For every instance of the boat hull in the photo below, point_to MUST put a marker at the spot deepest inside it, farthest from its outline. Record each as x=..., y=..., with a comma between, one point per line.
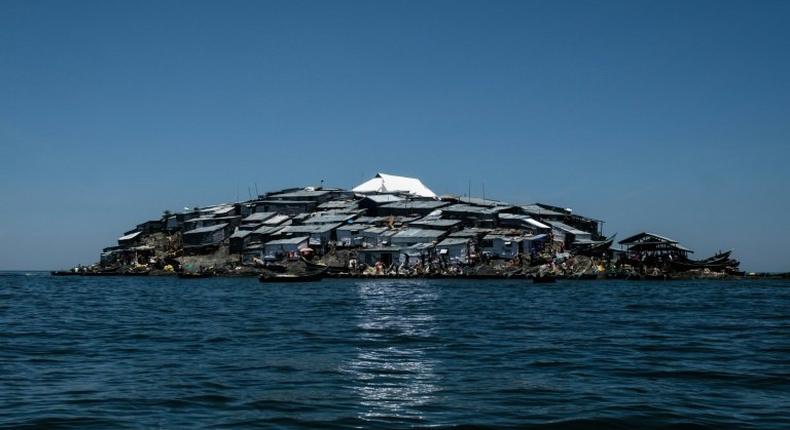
x=287, y=278
x=184, y=275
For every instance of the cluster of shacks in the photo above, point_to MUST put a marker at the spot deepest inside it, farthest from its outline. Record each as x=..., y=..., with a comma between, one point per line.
x=388, y=219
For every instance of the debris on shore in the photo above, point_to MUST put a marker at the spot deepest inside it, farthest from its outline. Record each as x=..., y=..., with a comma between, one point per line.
x=393, y=226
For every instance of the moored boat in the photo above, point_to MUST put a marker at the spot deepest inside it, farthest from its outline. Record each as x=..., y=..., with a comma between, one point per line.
x=195, y=275
x=101, y=273
x=64, y=273
x=544, y=279
x=716, y=263
x=291, y=277
x=136, y=273
x=595, y=247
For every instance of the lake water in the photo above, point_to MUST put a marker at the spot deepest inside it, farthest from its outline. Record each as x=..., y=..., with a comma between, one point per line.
x=234, y=353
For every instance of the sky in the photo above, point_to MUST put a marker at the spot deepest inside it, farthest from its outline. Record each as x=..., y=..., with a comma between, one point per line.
x=663, y=116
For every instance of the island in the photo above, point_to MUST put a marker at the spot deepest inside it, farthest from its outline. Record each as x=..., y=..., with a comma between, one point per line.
x=393, y=226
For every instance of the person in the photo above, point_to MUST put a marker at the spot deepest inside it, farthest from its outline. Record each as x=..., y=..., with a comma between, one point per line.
x=379, y=267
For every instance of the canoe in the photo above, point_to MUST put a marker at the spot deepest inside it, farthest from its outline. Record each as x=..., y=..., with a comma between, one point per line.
x=145, y=273
x=290, y=277
x=487, y=276
x=595, y=248
x=323, y=267
x=64, y=273
x=101, y=273
x=715, y=266
x=717, y=263
x=195, y=275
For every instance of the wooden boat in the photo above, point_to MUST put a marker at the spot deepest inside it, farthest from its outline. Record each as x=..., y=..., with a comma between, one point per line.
x=101, y=273
x=618, y=275
x=487, y=276
x=136, y=273
x=64, y=273
x=276, y=267
x=544, y=279
x=595, y=248
x=713, y=265
x=291, y=277
x=323, y=267
x=718, y=257
x=195, y=275
x=717, y=263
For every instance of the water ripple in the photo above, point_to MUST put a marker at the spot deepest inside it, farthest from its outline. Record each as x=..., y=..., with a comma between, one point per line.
x=79, y=353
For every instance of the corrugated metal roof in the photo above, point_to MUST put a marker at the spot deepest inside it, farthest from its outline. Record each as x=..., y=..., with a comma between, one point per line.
x=379, y=230
x=471, y=232
x=418, y=232
x=534, y=209
x=644, y=235
x=207, y=229
x=130, y=236
x=287, y=202
x=276, y=220
x=436, y=222
x=383, y=198
x=482, y=202
x=240, y=234
x=338, y=204
x=224, y=210
x=354, y=227
x=259, y=216
x=383, y=219
x=309, y=228
x=565, y=227
x=267, y=229
x=320, y=218
x=288, y=241
x=450, y=241
x=470, y=209
x=415, y=204
x=201, y=219
x=300, y=194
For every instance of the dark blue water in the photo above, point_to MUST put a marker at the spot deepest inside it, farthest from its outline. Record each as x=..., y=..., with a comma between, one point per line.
x=233, y=353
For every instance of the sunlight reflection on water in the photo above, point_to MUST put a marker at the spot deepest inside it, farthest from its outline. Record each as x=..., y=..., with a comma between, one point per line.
x=392, y=374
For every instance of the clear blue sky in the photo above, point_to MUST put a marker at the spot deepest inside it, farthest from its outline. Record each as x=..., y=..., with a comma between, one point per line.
x=663, y=116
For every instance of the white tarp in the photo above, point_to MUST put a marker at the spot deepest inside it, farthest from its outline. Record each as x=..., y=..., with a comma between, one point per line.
x=384, y=183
